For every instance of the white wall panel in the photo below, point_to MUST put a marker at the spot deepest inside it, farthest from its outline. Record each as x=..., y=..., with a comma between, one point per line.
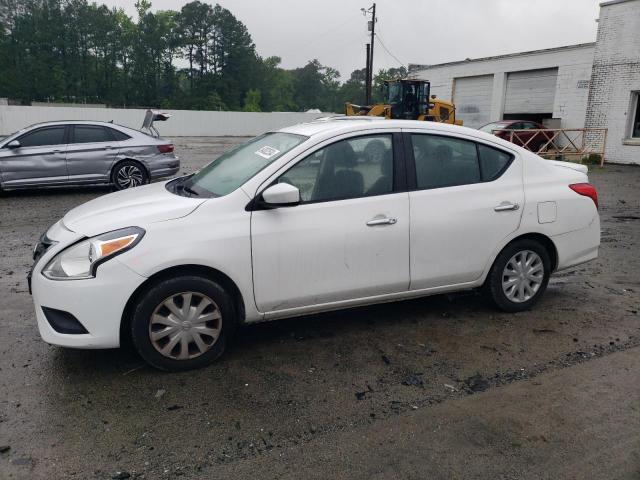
x=183, y=123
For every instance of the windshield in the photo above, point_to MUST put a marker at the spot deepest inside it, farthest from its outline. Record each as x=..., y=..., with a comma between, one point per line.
x=234, y=168
x=395, y=92
x=490, y=127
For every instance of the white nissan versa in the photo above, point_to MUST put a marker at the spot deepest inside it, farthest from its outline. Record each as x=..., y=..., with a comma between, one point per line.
x=319, y=216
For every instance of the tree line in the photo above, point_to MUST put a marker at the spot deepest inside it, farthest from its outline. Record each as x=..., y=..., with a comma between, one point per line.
x=201, y=57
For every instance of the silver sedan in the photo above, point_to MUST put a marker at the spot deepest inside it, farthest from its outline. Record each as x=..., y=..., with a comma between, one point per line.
x=83, y=153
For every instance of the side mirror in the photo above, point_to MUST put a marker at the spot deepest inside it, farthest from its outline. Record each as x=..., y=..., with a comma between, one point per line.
x=13, y=144
x=281, y=195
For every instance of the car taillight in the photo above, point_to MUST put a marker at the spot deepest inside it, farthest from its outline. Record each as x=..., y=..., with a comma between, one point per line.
x=165, y=148
x=587, y=190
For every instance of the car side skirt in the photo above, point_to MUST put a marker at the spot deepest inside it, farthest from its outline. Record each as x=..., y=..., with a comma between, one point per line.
x=360, y=302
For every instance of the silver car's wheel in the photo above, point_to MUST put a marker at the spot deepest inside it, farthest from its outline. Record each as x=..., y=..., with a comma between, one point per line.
x=522, y=276
x=129, y=176
x=185, y=325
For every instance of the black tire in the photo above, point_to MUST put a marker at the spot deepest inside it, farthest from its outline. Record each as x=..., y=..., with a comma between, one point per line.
x=129, y=174
x=152, y=302
x=493, y=286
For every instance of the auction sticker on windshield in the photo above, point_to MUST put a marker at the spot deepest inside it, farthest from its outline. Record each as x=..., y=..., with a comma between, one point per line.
x=267, y=152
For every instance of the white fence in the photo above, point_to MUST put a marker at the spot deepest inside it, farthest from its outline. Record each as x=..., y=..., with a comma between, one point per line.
x=183, y=123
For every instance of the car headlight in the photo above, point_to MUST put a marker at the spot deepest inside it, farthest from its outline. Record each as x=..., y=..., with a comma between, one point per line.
x=82, y=259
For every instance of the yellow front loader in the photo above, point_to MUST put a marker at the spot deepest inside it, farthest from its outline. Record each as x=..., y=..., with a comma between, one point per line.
x=408, y=100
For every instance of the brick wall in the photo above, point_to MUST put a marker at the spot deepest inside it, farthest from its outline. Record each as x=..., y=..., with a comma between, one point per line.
x=615, y=76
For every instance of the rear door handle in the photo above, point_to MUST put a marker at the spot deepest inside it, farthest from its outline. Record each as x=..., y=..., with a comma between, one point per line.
x=382, y=221
x=506, y=206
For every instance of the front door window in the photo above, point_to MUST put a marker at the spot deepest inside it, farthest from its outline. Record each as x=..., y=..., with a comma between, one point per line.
x=358, y=167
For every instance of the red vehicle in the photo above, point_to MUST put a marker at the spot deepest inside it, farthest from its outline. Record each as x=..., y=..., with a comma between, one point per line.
x=534, y=140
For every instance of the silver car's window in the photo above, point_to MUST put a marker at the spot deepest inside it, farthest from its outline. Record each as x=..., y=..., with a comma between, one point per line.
x=90, y=134
x=43, y=137
x=234, y=168
x=118, y=135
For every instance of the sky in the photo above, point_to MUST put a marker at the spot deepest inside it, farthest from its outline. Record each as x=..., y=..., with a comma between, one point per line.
x=413, y=31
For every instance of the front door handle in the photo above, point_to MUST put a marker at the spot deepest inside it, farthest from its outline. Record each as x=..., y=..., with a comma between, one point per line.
x=382, y=221
x=506, y=206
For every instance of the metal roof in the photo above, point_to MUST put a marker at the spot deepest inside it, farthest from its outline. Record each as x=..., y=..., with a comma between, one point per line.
x=414, y=66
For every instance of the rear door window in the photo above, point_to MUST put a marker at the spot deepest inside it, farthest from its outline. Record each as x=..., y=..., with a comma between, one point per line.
x=43, y=137
x=444, y=161
x=91, y=134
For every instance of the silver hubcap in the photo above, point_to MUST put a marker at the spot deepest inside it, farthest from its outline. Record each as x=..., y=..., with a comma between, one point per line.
x=185, y=325
x=129, y=176
x=522, y=276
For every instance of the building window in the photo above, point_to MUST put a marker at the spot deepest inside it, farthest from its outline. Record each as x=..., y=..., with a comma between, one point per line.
x=635, y=125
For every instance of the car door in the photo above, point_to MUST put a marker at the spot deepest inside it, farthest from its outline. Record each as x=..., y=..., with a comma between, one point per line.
x=92, y=151
x=39, y=160
x=467, y=197
x=349, y=236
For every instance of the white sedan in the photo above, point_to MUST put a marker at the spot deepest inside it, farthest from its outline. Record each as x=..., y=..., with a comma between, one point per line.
x=320, y=216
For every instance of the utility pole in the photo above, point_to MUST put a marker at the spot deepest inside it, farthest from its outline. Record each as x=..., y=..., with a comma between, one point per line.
x=372, y=28
x=367, y=91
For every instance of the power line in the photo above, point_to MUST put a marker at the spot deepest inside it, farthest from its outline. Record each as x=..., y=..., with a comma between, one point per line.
x=387, y=50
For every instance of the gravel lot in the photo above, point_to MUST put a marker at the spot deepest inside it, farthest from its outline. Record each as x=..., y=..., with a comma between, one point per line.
x=442, y=387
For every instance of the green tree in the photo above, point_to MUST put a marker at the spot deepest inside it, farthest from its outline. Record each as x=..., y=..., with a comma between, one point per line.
x=277, y=86
x=201, y=57
x=252, y=101
x=317, y=86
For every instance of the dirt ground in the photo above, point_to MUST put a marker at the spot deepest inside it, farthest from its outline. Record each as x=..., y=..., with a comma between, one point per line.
x=441, y=387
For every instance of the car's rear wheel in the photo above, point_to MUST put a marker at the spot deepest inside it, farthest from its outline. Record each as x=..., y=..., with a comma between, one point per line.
x=519, y=276
x=183, y=323
x=129, y=174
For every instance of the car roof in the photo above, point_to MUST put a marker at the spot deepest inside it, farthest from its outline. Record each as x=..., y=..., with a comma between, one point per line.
x=338, y=125
x=75, y=122
x=328, y=127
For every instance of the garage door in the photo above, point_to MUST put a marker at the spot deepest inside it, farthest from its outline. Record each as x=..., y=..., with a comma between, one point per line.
x=472, y=97
x=532, y=91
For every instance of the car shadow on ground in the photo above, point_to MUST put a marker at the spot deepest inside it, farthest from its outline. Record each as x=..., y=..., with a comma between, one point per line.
x=338, y=325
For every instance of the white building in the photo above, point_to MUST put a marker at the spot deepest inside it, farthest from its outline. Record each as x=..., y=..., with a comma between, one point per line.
x=594, y=85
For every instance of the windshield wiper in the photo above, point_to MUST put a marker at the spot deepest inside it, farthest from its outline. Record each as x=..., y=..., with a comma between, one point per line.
x=180, y=185
x=186, y=186
x=190, y=190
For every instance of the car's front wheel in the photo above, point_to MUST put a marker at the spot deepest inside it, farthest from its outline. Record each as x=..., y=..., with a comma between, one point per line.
x=129, y=174
x=519, y=276
x=182, y=323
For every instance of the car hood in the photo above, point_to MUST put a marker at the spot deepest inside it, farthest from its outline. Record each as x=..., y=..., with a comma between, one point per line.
x=128, y=208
